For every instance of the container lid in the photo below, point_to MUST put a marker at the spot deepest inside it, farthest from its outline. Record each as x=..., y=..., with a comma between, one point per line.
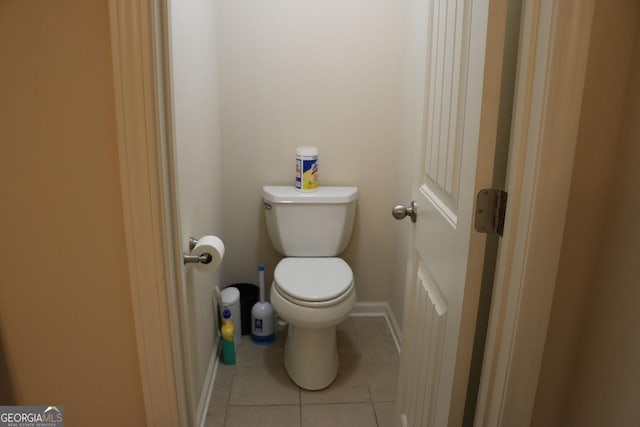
x=230, y=295
x=307, y=151
x=289, y=194
x=313, y=279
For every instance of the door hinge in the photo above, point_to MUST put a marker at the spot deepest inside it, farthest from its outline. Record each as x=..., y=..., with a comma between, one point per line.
x=491, y=205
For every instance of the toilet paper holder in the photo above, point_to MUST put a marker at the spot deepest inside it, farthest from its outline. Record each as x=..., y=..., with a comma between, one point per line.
x=202, y=259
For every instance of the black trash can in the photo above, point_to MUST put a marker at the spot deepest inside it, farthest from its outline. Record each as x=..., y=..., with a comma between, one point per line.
x=249, y=295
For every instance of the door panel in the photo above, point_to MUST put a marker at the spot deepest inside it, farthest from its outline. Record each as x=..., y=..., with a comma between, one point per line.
x=448, y=56
x=457, y=147
x=430, y=316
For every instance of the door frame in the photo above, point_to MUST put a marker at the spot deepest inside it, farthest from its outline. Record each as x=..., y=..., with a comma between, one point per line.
x=149, y=198
x=554, y=44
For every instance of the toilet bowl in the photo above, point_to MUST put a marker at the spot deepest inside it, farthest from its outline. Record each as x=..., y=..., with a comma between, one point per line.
x=314, y=295
x=312, y=289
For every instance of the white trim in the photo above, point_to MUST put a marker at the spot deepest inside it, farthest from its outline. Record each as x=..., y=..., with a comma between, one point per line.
x=209, y=382
x=552, y=62
x=394, y=327
x=147, y=209
x=380, y=309
x=369, y=309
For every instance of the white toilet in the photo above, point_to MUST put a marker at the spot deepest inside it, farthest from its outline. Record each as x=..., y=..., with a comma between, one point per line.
x=312, y=288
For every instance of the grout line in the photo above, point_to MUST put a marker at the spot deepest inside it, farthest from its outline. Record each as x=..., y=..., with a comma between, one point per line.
x=375, y=414
x=224, y=417
x=364, y=402
x=262, y=405
x=300, y=405
x=228, y=401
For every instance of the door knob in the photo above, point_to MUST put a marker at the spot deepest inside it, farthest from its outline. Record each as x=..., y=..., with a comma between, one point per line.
x=400, y=211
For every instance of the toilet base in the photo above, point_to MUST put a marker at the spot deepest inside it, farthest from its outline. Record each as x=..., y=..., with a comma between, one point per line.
x=311, y=356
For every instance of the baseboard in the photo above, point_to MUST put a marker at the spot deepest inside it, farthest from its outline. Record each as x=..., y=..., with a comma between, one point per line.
x=380, y=309
x=369, y=309
x=207, y=387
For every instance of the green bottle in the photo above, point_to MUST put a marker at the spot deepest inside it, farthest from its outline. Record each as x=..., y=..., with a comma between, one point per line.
x=228, y=347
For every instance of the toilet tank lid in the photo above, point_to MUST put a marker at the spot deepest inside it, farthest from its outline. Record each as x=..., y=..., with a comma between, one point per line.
x=289, y=194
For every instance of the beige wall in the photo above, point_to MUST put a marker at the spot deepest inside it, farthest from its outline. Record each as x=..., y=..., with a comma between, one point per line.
x=411, y=131
x=591, y=240
x=329, y=76
x=606, y=386
x=65, y=308
x=197, y=133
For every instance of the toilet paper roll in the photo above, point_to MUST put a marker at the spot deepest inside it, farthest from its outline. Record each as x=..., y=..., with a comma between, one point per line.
x=209, y=245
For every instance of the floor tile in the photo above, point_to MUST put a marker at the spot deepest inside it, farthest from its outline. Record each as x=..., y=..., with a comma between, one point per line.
x=263, y=385
x=349, y=386
x=216, y=416
x=339, y=415
x=374, y=341
x=211, y=422
x=258, y=391
x=252, y=354
x=222, y=384
x=386, y=414
x=346, y=336
x=263, y=416
x=382, y=378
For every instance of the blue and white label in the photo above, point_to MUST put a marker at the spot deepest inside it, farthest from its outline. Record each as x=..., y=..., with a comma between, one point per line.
x=307, y=173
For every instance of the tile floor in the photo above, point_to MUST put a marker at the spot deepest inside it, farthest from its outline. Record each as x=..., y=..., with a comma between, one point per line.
x=257, y=391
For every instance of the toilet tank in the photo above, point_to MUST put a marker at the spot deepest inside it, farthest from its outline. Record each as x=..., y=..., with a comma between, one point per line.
x=309, y=224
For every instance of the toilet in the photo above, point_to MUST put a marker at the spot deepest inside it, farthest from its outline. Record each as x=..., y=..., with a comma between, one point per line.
x=312, y=289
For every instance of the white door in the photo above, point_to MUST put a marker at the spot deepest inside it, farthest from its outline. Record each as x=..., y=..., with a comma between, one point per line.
x=457, y=148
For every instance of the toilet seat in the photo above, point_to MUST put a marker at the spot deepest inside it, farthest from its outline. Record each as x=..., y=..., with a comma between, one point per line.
x=313, y=282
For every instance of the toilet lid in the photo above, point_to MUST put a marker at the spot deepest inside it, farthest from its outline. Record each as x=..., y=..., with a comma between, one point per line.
x=313, y=279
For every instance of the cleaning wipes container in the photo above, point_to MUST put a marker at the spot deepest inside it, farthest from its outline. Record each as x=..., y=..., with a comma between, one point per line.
x=306, y=168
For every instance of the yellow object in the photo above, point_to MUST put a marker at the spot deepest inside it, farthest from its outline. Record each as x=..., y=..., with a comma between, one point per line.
x=227, y=330
x=310, y=179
